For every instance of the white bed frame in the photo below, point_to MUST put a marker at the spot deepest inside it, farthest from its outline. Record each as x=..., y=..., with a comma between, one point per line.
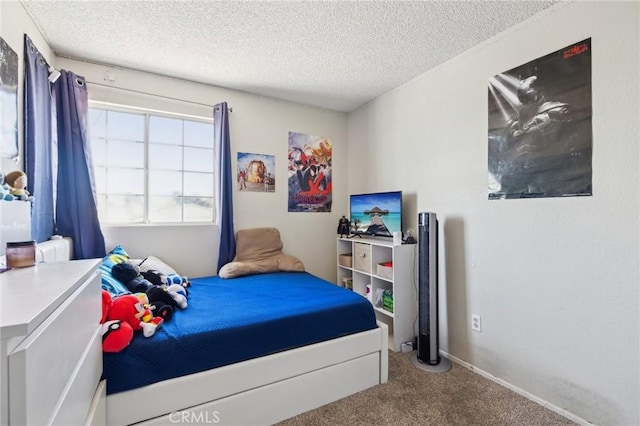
x=260, y=391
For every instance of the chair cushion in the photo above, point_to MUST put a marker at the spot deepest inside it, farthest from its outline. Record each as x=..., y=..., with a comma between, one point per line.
x=259, y=250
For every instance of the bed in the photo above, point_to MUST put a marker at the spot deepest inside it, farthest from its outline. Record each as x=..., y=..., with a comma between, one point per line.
x=256, y=349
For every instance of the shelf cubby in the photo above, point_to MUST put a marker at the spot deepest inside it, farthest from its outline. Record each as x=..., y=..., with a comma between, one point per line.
x=365, y=255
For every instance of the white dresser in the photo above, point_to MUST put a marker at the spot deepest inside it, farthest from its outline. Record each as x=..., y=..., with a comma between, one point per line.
x=50, y=345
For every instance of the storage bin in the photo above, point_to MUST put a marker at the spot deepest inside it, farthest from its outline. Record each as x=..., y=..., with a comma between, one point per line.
x=385, y=270
x=346, y=260
x=362, y=257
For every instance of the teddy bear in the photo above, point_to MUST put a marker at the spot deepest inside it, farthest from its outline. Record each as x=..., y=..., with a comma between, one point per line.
x=129, y=309
x=116, y=333
x=17, y=181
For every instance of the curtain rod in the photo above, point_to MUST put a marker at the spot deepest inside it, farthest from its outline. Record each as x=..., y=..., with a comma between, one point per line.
x=152, y=94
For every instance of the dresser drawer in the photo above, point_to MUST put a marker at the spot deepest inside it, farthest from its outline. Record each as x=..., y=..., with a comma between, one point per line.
x=362, y=257
x=43, y=368
x=75, y=404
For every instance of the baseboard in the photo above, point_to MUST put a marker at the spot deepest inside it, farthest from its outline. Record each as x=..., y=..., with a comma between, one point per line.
x=519, y=391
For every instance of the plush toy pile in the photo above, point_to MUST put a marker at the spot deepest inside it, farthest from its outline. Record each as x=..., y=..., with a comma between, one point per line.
x=152, y=288
x=150, y=299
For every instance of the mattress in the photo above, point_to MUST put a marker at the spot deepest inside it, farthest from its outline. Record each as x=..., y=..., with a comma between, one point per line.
x=233, y=320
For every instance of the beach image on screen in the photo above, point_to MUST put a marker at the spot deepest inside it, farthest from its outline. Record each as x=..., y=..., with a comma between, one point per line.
x=377, y=214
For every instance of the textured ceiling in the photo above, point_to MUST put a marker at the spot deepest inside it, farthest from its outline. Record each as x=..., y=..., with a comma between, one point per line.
x=331, y=54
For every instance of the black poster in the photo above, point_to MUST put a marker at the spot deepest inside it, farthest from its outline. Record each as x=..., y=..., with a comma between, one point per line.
x=540, y=134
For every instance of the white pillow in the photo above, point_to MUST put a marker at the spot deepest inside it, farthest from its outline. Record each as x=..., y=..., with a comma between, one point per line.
x=153, y=262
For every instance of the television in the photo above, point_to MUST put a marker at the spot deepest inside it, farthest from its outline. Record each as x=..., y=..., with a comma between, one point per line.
x=377, y=214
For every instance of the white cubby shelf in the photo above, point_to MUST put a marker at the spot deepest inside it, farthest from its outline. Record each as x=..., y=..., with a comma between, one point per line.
x=366, y=254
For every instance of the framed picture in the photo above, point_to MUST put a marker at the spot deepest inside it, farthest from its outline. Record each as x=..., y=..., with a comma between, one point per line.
x=256, y=172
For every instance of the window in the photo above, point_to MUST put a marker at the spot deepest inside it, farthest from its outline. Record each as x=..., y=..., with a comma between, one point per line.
x=152, y=168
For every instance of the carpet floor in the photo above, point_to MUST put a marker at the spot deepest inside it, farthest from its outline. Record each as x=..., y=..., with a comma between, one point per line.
x=416, y=397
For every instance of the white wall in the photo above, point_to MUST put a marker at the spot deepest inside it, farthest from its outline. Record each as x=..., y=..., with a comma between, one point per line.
x=555, y=280
x=192, y=250
x=257, y=125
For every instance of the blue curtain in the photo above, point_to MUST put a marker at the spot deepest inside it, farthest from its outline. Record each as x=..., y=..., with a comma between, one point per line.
x=38, y=152
x=76, y=206
x=224, y=185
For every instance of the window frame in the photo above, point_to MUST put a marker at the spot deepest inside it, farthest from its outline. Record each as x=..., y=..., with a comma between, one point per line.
x=147, y=113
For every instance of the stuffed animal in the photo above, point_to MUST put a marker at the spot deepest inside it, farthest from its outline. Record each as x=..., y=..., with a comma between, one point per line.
x=17, y=181
x=5, y=193
x=155, y=277
x=129, y=275
x=178, y=279
x=172, y=285
x=116, y=334
x=159, y=302
x=179, y=295
x=128, y=308
x=5, y=190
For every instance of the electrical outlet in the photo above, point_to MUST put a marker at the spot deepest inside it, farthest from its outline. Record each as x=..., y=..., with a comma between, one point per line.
x=476, y=322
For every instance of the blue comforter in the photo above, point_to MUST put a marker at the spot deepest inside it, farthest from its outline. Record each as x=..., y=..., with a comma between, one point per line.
x=233, y=320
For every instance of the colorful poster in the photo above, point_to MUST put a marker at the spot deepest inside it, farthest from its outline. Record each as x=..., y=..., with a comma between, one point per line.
x=256, y=172
x=309, y=173
x=540, y=133
x=9, y=101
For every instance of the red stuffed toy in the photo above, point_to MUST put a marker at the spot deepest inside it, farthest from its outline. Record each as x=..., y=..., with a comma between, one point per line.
x=116, y=334
x=129, y=309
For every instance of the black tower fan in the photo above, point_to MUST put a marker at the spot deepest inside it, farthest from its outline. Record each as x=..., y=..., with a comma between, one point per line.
x=428, y=356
